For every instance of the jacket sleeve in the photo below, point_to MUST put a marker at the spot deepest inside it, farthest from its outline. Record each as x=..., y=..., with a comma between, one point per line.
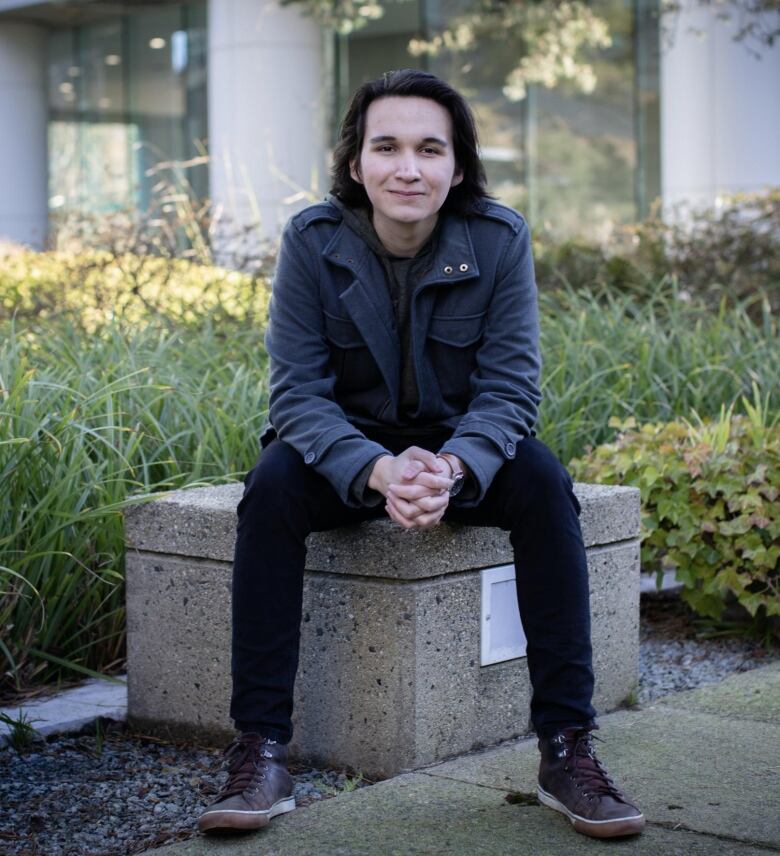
x=505, y=386
x=303, y=410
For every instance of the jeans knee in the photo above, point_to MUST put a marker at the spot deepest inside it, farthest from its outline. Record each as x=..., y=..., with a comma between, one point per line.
x=538, y=473
x=280, y=471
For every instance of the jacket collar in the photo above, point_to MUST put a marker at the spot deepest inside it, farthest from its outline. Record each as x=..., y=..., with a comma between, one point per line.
x=453, y=261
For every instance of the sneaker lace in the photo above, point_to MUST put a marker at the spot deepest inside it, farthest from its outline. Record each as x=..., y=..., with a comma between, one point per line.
x=586, y=769
x=246, y=763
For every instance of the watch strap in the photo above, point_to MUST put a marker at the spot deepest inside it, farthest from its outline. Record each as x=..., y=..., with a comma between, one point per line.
x=457, y=474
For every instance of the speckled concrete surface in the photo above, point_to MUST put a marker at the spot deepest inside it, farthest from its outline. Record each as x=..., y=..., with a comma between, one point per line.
x=392, y=621
x=201, y=522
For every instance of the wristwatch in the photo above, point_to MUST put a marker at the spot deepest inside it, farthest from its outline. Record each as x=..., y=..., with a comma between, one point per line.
x=458, y=476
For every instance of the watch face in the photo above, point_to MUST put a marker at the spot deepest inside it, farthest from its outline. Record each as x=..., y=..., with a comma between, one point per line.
x=457, y=484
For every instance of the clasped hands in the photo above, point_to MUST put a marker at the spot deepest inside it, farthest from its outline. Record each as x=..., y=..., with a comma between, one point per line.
x=415, y=485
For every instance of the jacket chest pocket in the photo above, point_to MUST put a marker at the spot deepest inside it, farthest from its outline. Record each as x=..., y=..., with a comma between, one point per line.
x=452, y=345
x=352, y=362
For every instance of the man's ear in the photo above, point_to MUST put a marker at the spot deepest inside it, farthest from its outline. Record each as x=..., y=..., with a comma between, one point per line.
x=354, y=170
x=457, y=178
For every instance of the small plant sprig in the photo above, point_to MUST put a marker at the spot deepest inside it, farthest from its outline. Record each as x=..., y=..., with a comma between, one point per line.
x=351, y=783
x=21, y=734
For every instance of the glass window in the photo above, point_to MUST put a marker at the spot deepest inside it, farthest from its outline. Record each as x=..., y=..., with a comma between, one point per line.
x=648, y=104
x=125, y=95
x=575, y=163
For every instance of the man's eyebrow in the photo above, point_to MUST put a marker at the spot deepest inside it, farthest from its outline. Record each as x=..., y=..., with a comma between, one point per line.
x=389, y=138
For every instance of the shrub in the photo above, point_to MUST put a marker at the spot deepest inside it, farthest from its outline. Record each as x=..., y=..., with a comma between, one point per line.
x=710, y=510
x=731, y=251
x=91, y=288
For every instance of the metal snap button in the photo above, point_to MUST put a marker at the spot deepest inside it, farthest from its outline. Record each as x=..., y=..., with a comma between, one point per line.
x=350, y=261
x=448, y=269
x=464, y=267
x=309, y=457
x=510, y=448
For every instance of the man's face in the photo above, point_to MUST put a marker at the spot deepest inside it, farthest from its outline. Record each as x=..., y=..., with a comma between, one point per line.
x=407, y=163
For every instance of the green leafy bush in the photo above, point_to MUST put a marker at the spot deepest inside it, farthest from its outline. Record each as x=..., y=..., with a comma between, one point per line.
x=91, y=288
x=732, y=251
x=710, y=506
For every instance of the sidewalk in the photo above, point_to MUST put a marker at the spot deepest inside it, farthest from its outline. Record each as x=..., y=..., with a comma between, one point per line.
x=704, y=765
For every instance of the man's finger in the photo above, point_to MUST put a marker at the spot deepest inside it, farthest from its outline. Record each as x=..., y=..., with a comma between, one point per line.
x=423, y=513
x=406, y=509
x=412, y=506
x=425, y=521
x=412, y=469
x=428, y=521
x=427, y=504
x=424, y=459
x=398, y=518
x=435, y=482
x=414, y=491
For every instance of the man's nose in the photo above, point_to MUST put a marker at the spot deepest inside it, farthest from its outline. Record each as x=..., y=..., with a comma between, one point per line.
x=407, y=169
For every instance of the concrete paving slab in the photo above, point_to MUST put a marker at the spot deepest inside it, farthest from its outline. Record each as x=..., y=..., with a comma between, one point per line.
x=750, y=695
x=708, y=784
x=71, y=709
x=706, y=773
x=419, y=815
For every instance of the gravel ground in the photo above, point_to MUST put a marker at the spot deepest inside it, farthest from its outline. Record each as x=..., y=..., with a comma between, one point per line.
x=676, y=654
x=118, y=793
x=124, y=794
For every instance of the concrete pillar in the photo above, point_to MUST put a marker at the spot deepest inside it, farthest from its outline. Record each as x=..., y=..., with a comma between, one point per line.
x=720, y=109
x=24, y=209
x=266, y=110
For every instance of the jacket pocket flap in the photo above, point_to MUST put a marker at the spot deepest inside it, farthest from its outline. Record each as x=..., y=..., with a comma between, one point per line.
x=343, y=332
x=457, y=330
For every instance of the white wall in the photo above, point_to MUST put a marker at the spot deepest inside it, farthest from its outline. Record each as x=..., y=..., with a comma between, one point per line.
x=23, y=133
x=720, y=111
x=266, y=90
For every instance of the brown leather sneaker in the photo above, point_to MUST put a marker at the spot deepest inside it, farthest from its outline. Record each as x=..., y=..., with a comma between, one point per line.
x=573, y=781
x=258, y=787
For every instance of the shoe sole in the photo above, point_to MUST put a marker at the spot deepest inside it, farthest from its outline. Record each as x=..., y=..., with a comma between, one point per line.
x=234, y=821
x=595, y=828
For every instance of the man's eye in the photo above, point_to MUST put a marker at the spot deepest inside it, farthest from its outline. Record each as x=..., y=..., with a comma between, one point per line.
x=430, y=150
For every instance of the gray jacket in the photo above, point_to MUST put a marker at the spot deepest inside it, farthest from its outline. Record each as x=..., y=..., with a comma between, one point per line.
x=336, y=357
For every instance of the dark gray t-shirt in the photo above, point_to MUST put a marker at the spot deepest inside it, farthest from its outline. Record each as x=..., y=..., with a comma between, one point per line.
x=402, y=276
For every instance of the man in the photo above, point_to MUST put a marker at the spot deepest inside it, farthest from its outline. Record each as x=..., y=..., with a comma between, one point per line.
x=403, y=339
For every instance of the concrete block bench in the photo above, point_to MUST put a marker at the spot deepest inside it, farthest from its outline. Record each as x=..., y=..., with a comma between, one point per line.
x=393, y=635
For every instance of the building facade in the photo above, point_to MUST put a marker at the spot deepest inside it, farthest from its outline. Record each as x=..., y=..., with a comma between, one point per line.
x=238, y=101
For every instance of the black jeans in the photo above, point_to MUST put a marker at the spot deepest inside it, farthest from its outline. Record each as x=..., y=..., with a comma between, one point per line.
x=531, y=496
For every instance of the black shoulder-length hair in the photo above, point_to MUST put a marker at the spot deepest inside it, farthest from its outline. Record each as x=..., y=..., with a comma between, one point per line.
x=462, y=198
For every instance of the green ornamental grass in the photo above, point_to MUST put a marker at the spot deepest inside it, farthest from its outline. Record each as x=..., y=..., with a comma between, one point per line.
x=95, y=416
x=617, y=355
x=89, y=424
